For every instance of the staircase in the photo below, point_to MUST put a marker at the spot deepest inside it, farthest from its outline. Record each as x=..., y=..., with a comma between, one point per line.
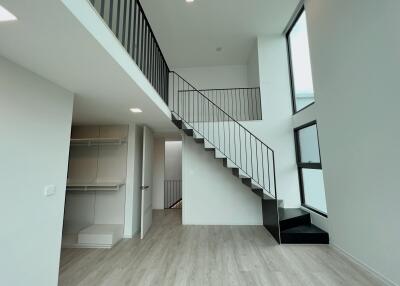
x=250, y=159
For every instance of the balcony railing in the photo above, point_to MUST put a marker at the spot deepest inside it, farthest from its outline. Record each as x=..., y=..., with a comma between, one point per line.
x=242, y=104
x=128, y=22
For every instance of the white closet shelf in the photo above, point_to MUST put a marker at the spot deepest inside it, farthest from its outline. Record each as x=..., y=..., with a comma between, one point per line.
x=97, y=141
x=97, y=186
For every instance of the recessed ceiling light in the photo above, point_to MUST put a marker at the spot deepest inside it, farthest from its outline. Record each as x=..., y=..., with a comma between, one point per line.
x=5, y=15
x=135, y=110
x=189, y=1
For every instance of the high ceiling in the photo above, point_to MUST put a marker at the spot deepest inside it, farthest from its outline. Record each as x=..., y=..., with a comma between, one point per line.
x=50, y=41
x=190, y=33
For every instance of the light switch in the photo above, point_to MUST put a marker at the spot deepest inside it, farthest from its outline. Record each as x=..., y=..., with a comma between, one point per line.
x=49, y=190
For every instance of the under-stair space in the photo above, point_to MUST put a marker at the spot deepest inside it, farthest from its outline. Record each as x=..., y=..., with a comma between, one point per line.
x=95, y=196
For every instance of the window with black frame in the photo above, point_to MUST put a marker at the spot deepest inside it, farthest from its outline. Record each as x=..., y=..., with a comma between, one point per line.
x=300, y=63
x=310, y=168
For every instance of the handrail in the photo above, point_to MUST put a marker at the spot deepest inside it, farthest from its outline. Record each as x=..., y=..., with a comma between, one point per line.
x=194, y=89
x=253, y=139
x=231, y=88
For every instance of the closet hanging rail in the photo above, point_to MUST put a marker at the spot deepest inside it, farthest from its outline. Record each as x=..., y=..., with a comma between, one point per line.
x=85, y=187
x=97, y=141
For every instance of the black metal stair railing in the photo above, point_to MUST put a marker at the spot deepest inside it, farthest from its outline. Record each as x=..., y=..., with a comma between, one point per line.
x=172, y=192
x=242, y=148
x=128, y=22
x=242, y=104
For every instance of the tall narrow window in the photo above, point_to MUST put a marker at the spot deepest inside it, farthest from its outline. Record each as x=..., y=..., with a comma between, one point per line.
x=300, y=64
x=310, y=168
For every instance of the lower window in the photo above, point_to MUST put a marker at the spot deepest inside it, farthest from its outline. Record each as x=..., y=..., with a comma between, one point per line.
x=313, y=189
x=310, y=168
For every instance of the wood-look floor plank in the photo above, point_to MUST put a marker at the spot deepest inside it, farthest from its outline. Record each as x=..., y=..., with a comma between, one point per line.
x=173, y=254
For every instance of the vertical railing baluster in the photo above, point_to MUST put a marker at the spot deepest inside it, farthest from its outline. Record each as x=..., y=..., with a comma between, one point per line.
x=269, y=173
x=245, y=148
x=234, y=139
x=141, y=41
x=229, y=137
x=110, y=14
x=262, y=162
x=219, y=123
x=251, y=155
x=118, y=19
x=124, y=22
x=139, y=26
x=258, y=172
x=133, y=48
x=240, y=147
x=147, y=50
x=236, y=104
x=129, y=25
x=102, y=8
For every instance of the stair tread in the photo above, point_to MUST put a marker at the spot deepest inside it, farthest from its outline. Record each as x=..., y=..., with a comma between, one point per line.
x=286, y=214
x=308, y=229
x=261, y=194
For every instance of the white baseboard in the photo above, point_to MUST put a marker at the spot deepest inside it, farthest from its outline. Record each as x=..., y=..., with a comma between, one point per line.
x=374, y=273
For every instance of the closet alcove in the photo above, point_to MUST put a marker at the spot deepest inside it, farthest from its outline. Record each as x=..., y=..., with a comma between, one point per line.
x=95, y=194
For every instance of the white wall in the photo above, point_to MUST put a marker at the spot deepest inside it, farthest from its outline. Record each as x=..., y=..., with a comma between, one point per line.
x=355, y=61
x=35, y=126
x=173, y=160
x=137, y=179
x=276, y=129
x=133, y=181
x=215, y=76
x=221, y=199
x=211, y=195
x=158, y=173
x=253, y=72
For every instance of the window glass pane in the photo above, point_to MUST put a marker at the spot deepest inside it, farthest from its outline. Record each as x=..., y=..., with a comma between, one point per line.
x=301, y=65
x=308, y=141
x=314, y=191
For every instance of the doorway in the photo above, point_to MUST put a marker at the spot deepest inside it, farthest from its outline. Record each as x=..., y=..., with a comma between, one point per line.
x=167, y=174
x=173, y=175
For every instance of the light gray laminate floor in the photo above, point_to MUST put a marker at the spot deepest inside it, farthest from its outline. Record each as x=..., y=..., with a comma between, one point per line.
x=172, y=254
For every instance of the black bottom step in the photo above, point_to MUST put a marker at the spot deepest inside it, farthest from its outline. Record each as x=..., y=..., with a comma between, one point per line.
x=304, y=234
x=293, y=217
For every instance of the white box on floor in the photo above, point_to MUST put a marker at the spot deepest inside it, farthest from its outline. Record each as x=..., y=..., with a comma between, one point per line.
x=100, y=235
